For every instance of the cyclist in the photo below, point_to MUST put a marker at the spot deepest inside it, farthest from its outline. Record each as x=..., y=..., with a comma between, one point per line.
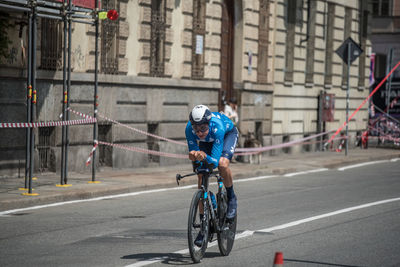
x=212, y=136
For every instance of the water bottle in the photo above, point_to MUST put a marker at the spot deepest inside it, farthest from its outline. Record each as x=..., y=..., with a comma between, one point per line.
x=213, y=201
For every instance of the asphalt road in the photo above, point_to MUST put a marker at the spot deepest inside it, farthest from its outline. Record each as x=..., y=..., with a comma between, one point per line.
x=327, y=218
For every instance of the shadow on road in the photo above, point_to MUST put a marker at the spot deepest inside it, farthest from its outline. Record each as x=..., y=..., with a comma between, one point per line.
x=168, y=258
x=320, y=263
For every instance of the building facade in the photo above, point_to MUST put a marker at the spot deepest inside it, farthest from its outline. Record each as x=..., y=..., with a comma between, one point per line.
x=162, y=57
x=385, y=36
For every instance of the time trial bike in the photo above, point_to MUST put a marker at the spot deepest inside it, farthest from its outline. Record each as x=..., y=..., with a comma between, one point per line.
x=213, y=221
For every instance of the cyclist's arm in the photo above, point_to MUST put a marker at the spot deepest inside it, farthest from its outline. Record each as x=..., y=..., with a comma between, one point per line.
x=216, y=150
x=191, y=139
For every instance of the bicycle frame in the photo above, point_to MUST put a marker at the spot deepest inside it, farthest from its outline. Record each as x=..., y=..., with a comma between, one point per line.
x=206, y=174
x=207, y=203
x=213, y=221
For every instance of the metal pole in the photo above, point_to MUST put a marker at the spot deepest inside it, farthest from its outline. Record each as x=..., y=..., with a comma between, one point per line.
x=33, y=117
x=64, y=94
x=389, y=83
x=347, y=96
x=68, y=91
x=319, y=124
x=29, y=99
x=96, y=66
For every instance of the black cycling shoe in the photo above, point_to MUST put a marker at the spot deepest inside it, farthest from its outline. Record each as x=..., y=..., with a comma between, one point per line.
x=232, y=208
x=199, y=240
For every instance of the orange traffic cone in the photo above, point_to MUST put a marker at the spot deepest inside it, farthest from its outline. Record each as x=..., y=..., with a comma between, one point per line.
x=278, y=261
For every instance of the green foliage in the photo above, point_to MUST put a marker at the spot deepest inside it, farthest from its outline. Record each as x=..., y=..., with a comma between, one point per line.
x=4, y=40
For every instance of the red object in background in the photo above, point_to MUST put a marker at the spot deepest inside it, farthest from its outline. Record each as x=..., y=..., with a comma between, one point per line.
x=112, y=14
x=364, y=139
x=328, y=107
x=82, y=3
x=278, y=260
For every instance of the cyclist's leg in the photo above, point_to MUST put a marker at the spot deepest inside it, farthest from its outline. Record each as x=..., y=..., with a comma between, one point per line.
x=230, y=142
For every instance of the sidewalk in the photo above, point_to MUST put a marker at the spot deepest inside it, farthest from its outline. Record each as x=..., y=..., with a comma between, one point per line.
x=138, y=179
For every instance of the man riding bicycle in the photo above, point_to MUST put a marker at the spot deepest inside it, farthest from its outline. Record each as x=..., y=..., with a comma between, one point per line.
x=212, y=136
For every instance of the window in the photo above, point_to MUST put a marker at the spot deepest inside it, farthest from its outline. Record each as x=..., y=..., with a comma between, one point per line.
x=157, y=46
x=109, y=41
x=46, y=142
x=311, y=43
x=290, y=34
x=381, y=8
x=363, y=42
x=152, y=143
x=199, y=30
x=51, y=44
x=347, y=34
x=329, y=44
x=105, y=152
x=263, y=30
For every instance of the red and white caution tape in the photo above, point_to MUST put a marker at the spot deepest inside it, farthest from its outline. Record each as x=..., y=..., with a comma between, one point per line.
x=142, y=132
x=266, y=148
x=146, y=151
x=88, y=161
x=129, y=127
x=45, y=124
x=85, y=116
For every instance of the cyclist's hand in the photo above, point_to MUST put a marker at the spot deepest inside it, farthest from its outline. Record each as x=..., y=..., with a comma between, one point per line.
x=200, y=155
x=192, y=155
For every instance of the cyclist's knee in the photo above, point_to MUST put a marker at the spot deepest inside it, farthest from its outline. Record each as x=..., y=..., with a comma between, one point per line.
x=223, y=163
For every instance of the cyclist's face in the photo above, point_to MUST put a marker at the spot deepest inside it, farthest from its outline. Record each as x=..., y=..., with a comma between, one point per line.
x=201, y=130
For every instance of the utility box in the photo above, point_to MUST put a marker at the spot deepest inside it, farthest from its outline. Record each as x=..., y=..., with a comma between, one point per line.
x=328, y=107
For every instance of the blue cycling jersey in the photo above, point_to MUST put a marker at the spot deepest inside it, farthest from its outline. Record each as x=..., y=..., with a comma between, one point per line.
x=219, y=125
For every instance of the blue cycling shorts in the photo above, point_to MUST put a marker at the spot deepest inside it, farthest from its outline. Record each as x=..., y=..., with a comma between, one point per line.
x=230, y=142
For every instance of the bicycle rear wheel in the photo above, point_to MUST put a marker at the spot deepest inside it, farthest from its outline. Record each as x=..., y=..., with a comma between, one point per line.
x=226, y=235
x=195, y=226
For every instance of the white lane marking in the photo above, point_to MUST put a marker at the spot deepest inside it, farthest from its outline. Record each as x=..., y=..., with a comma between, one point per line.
x=256, y=178
x=305, y=172
x=184, y=251
x=394, y=160
x=5, y=213
x=362, y=164
x=247, y=233
x=291, y=224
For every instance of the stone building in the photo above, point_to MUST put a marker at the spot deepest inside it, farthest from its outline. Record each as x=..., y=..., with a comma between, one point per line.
x=162, y=57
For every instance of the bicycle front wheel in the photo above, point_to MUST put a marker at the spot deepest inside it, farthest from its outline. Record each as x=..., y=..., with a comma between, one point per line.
x=226, y=235
x=196, y=227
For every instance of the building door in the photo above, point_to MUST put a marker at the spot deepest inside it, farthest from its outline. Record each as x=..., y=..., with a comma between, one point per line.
x=226, y=89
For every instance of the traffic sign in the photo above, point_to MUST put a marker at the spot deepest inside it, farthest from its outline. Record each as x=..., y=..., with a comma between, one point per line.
x=355, y=50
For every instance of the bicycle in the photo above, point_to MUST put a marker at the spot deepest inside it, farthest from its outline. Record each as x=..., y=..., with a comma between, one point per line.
x=214, y=220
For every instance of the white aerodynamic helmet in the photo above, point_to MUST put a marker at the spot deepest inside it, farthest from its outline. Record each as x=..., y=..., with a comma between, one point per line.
x=200, y=114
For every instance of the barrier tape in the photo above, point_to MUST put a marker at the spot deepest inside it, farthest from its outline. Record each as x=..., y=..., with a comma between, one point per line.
x=266, y=148
x=88, y=161
x=44, y=124
x=129, y=127
x=142, y=132
x=80, y=114
x=146, y=151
